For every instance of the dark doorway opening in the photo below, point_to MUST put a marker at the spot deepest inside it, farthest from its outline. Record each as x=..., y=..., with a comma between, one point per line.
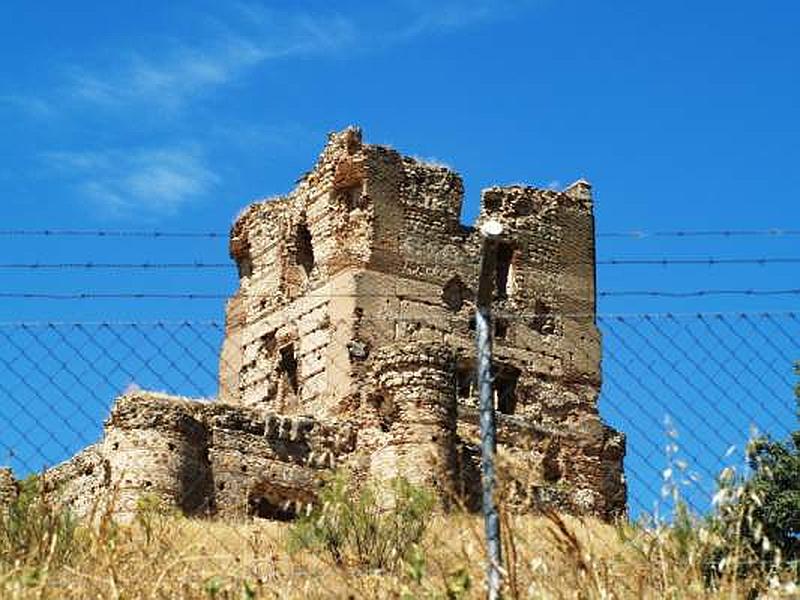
x=500, y=328
x=453, y=294
x=505, y=390
x=263, y=508
x=244, y=262
x=465, y=382
x=543, y=320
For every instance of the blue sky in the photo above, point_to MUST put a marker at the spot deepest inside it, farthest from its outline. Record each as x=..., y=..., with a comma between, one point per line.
x=173, y=116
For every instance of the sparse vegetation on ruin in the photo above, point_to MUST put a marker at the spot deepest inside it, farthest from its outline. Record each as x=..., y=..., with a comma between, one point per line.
x=355, y=526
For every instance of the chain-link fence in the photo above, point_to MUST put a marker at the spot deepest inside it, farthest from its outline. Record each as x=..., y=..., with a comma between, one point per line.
x=687, y=390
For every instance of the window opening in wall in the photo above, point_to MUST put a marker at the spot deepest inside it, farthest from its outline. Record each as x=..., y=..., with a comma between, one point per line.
x=453, y=294
x=304, y=249
x=505, y=387
x=351, y=197
x=543, y=320
x=267, y=345
x=492, y=202
x=505, y=390
x=505, y=253
x=500, y=328
x=387, y=411
x=551, y=470
x=244, y=263
x=465, y=382
x=288, y=365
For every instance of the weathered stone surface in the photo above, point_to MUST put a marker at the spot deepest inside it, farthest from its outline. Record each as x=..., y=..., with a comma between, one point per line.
x=157, y=446
x=350, y=342
x=414, y=386
x=83, y=482
x=203, y=458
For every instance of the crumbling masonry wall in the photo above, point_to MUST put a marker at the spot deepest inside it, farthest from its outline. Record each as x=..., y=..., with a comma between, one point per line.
x=350, y=343
x=414, y=398
x=204, y=458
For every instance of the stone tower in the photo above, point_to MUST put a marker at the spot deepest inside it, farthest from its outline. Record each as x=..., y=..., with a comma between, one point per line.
x=349, y=344
x=356, y=301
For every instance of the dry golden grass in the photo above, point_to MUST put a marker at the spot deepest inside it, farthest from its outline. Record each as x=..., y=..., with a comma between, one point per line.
x=546, y=557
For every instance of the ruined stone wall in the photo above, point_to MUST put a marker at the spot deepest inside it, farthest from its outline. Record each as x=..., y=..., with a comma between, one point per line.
x=294, y=359
x=419, y=283
x=575, y=471
x=270, y=465
x=394, y=223
x=203, y=458
x=157, y=447
x=288, y=325
x=83, y=483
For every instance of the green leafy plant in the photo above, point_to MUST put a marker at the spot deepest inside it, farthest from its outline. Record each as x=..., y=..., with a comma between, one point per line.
x=755, y=529
x=767, y=501
x=361, y=524
x=776, y=482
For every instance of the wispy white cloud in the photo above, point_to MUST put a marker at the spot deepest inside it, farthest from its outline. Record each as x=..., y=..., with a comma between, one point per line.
x=166, y=82
x=171, y=76
x=144, y=182
x=554, y=185
x=167, y=79
x=433, y=161
x=172, y=73
x=292, y=33
x=253, y=35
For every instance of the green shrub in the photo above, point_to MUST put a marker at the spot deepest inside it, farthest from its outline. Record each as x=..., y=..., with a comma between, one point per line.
x=775, y=481
x=371, y=527
x=758, y=515
x=36, y=532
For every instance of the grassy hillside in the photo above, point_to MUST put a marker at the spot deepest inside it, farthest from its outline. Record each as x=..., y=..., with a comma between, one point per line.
x=45, y=555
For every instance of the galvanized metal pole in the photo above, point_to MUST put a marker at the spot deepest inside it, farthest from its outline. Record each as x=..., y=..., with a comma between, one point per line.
x=483, y=333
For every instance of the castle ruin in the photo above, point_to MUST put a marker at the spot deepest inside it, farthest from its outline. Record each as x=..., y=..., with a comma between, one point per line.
x=350, y=343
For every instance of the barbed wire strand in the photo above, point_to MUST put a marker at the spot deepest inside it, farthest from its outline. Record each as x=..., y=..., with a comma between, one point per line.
x=156, y=234
x=606, y=262
x=683, y=233
x=218, y=296
x=601, y=317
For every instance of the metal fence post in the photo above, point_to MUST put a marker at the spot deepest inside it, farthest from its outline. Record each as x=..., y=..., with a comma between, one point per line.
x=483, y=333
